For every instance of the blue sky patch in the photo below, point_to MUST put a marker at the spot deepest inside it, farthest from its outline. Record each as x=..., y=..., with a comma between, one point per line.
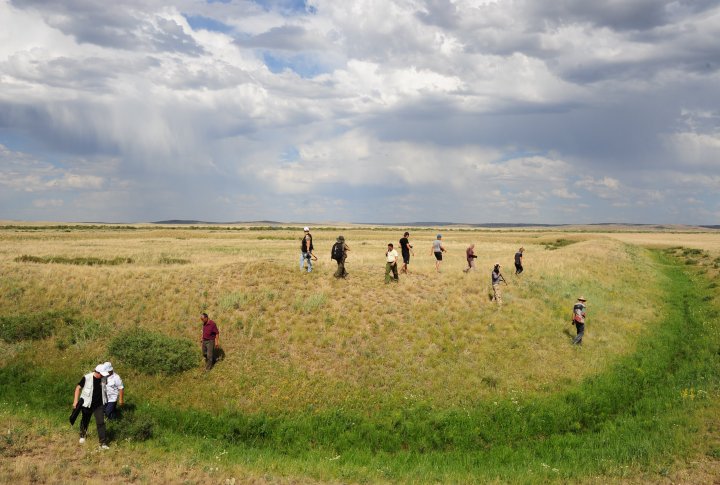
x=198, y=22
x=305, y=66
x=288, y=6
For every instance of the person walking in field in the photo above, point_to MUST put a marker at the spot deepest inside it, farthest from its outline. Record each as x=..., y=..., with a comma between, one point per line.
x=579, y=320
x=438, y=249
x=391, y=257
x=405, y=250
x=339, y=254
x=518, y=261
x=470, y=256
x=90, y=397
x=306, y=250
x=496, y=278
x=210, y=340
x=115, y=391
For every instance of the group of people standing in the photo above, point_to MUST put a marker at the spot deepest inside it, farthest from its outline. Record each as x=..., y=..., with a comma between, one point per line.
x=340, y=249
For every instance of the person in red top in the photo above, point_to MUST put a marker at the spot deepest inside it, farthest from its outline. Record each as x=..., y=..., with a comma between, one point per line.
x=210, y=340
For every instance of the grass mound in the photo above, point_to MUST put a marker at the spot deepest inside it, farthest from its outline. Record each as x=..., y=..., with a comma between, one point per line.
x=81, y=261
x=153, y=353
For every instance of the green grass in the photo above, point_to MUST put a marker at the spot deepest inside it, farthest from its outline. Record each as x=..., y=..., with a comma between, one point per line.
x=642, y=411
x=82, y=261
x=557, y=244
x=35, y=326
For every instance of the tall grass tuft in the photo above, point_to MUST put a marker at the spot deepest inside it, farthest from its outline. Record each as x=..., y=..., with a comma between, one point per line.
x=310, y=304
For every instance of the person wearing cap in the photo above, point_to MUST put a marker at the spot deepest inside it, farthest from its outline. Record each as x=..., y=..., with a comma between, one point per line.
x=210, y=340
x=91, y=395
x=437, y=250
x=339, y=254
x=306, y=250
x=518, y=261
x=115, y=391
x=391, y=257
x=579, y=320
x=405, y=249
x=496, y=278
x=470, y=256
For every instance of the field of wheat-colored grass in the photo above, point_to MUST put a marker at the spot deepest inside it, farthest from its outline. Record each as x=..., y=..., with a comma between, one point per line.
x=294, y=339
x=297, y=343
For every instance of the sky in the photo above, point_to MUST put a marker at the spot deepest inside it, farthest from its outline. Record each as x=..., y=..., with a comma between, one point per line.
x=467, y=111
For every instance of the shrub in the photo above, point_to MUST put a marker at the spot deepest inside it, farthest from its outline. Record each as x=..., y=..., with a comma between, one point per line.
x=153, y=353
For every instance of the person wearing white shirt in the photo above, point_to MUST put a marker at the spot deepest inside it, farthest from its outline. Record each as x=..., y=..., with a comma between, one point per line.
x=115, y=391
x=391, y=257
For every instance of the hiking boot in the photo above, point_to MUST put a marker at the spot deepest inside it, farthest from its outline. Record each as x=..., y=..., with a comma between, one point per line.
x=82, y=440
x=104, y=447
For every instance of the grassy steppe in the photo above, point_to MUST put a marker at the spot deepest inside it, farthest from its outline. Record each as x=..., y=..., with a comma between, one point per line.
x=423, y=381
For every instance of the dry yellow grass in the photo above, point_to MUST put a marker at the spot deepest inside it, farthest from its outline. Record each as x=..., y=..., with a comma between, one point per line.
x=294, y=340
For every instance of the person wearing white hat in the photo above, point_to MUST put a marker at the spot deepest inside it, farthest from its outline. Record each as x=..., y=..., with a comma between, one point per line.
x=115, y=391
x=91, y=396
x=306, y=250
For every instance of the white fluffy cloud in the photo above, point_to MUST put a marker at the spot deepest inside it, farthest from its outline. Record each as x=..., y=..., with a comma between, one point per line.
x=141, y=109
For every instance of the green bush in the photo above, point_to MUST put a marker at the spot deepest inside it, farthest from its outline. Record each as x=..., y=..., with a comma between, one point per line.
x=153, y=353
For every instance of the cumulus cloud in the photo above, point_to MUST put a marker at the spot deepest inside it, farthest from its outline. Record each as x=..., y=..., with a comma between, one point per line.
x=369, y=110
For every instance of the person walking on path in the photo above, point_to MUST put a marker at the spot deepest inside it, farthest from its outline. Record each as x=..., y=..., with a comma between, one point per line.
x=391, y=257
x=115, y=391
x=518, y=261
x=579, y=320
x=339, y=254
x=210, y=340
x=438, y=249
x=306, y=250
x=406, y=250
x=496, y=279
x=470, y=256
x=91, y=396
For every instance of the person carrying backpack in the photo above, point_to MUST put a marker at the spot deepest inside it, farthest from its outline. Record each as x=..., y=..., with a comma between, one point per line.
x=579, y=320
x=339, y=254
x=306, y=250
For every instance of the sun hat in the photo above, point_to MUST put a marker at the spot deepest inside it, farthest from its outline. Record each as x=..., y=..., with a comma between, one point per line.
x=100, y=369
x=341, y=238
x=439, y=236
x=108, y=366
x=306, y=229
x=582, y=298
